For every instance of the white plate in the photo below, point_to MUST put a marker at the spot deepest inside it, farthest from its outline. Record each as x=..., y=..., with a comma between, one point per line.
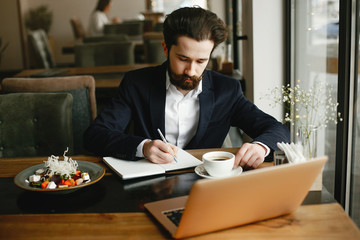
x=200, y=170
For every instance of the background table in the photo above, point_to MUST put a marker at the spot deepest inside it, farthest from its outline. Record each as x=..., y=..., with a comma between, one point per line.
x=105, y=76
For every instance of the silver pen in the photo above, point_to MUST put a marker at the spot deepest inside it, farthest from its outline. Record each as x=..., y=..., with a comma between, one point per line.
x=164, y=140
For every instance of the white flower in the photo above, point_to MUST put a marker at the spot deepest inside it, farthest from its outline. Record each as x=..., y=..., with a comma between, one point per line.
x=307, y=109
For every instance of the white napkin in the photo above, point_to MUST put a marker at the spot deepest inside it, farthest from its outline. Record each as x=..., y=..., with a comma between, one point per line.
x=293, y=152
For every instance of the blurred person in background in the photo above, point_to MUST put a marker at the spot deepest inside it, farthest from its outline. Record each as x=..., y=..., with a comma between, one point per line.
x=99, y=18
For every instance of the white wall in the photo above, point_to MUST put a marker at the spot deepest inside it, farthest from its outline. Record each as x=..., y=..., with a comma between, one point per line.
x=9, y=31
x=268, y=42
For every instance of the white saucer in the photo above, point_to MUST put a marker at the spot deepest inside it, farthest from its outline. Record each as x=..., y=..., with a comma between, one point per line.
x=200, y=170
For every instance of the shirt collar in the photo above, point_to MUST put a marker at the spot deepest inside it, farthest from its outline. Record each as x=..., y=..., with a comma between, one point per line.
x=195, y=92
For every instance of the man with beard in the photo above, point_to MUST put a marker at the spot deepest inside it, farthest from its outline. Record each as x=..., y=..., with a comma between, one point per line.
x=192, y=106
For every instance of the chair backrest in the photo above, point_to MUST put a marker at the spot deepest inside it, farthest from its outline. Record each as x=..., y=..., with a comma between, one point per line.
x=153, y=49
x=147, y=23
x=106, y=38
x=35, y=124
x=158, y=27
x=82, y=88
x=104, y=54
x=133, y=29
x=78, y=28
x=40, y=51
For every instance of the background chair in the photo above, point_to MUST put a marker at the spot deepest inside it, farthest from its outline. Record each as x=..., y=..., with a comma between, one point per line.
x=158, y=27
x=78, y=29
x=134, y=29
x=104, y=54
x=82, y=89
x=40, y=52
x=106, y=38
x=147, y=23
x=35, y=124
x=153, y=50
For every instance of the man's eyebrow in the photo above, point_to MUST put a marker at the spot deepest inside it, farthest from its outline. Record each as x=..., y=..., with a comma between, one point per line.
x=180, y=55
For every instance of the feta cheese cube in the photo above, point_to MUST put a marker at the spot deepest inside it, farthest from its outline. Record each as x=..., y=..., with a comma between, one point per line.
x=51, y=185
x=34, y=178
x=85, y=176
x=39, y=171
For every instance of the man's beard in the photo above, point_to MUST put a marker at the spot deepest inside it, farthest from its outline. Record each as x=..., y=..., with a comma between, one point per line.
x=184, y=81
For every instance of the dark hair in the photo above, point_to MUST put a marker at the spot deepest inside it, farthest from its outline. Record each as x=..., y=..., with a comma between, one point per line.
x=101, y=5
x=196, y=23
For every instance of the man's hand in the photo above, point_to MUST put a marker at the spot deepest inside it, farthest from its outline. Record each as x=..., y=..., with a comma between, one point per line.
x=159, y=152
x=250, y=155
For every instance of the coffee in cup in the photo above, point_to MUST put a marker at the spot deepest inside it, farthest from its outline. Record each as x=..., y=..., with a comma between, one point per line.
x=218, y=163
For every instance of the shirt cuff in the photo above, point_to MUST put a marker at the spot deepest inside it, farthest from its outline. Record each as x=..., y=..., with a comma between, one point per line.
x=139, y=149
x=266, y=147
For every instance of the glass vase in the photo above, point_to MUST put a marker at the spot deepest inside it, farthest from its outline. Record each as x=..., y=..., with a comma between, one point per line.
x=308, y=140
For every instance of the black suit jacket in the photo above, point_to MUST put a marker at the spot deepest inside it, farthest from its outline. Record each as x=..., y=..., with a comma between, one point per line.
x=141, y=100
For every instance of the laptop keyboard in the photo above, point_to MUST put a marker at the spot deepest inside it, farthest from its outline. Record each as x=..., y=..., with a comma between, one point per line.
x=174, y=215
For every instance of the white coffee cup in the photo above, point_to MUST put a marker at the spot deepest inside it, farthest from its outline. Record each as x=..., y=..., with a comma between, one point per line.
x=218, y=163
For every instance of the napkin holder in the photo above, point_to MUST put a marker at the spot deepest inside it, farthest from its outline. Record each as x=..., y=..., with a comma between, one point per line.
x=280, y=158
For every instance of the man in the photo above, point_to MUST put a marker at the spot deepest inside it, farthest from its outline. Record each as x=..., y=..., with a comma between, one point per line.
x=193, y=106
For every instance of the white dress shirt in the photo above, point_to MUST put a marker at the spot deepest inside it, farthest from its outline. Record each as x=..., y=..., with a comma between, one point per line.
x=181, y=116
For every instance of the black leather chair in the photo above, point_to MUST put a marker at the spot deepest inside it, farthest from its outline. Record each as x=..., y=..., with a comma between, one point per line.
x=35, y=124
x=40, y=52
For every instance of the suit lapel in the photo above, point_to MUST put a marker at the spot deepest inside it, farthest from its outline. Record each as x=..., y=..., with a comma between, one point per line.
x=157, y=102
x=206, y=101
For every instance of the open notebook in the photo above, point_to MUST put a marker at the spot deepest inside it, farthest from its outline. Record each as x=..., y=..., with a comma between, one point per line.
x=224, y=203
x=142, y=168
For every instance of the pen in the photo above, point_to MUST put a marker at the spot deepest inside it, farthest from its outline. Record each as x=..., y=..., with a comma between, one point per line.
x=164, y=140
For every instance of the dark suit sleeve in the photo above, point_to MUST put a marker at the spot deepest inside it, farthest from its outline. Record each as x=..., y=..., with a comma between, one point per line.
x=257, y=124
x=107, y=136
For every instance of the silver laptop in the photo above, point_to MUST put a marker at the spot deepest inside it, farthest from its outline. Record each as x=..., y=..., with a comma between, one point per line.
x=224, y=203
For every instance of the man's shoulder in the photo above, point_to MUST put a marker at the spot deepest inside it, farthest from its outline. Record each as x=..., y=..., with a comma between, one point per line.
x=144, y=76
x=220, y=79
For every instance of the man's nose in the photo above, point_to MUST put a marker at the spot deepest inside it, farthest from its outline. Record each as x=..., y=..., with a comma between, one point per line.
x=190, y=69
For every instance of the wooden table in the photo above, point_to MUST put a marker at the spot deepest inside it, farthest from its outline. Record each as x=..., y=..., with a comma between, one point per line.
x=324, y=221
x=105, y=76
x=315, y=221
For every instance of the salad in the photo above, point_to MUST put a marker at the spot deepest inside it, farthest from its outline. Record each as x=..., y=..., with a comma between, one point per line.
x=58, y=174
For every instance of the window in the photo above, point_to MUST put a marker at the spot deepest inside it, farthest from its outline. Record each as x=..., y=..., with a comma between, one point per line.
x=325, y=33
x=315, y=47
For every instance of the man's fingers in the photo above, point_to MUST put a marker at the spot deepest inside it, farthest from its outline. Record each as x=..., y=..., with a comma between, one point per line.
x=249, y=156
x=174, y=149
x=160, y=152
x=157, y=152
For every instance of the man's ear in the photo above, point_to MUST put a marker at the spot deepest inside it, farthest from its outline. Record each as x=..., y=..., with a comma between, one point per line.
x=165, y=49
